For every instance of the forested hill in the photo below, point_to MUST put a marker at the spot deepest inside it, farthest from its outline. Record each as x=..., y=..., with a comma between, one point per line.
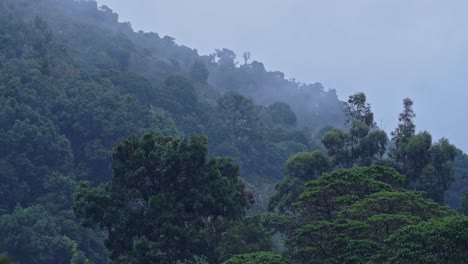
x=79, y=92
x=141, y=65
x=95, y=37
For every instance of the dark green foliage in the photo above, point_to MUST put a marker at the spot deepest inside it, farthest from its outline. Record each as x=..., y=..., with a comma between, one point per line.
x=130, y=83
x=33, y=235
x=300, y=168
x=406, y=128
x=454, y=194
x=98, y=81
x=464, y=204
x=357, y=110
x=443, y=240
x=246, y=236
x=36, y=161
x=94, y=118
x=348, y=215
x=326, y=196
x=178, y=96
x=428, y=166
x=74, y=82
x=240, y=121
x=258, y=258
x=281, y=114
x=237, y=131
x=363, y=144
x=164, y=198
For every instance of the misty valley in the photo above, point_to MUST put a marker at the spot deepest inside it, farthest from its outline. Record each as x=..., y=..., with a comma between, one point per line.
x=122, y=146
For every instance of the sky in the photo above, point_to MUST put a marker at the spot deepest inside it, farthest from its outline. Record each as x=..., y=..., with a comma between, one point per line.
x=389, y=49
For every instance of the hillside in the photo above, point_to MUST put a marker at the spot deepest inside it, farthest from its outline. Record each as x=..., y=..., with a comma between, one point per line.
x=78, y=88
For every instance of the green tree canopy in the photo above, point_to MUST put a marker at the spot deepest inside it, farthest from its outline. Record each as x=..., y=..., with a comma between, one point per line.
x=164, y=200
x=348, y=215
x=300, y=168
x=363, y=144
x=257, y=258
x=34, y=235
x=440, y=240
x=428, y=166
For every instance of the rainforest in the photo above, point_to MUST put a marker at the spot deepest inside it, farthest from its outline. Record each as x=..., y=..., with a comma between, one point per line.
x=122, y=146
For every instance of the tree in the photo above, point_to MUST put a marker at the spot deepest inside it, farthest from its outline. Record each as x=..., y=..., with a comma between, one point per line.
x=246, y=236
x=35, y=161
x=347, y=216
x=237, y=128
x=464, y=204
x=454, y=195
x=178, y=96
x=363, y=144
x=387, y=211
x=226, y=58
x=34, y=235
x=281, y=113
x=164, y=200
x=443, y=240
x=357, y=110
x=324, y=197
x=406, y=128
x=428, y=166
x=300, y=168
x=318, y=231
x=199, y=72
x=258, y=258
x=443, y=155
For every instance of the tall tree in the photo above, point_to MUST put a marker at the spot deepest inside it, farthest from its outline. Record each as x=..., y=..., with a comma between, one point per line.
x=363, y=144
x=164, y=201
x=406, y=127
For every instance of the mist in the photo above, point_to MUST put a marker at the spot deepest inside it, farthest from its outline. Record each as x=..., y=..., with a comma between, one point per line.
x=232, y=132
x=388, y=49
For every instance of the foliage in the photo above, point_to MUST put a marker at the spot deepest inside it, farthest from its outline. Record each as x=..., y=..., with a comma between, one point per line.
x=33, y=231
x=300, y=168
x=364, y=144
x=454, y=195
x=442, y=240
x=280, y=113
x=257, y=258
x=74, y=82
x=347, y=215
x=464, y=205
x=246, y=236
x=406, y=128
x=428, y=167
x=164, y=198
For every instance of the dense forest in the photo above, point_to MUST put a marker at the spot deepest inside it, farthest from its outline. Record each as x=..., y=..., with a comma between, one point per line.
x=124, y=147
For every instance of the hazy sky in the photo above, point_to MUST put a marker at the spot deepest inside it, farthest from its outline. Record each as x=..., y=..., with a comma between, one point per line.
x=389, y=49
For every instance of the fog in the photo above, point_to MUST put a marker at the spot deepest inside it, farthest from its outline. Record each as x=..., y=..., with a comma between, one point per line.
x=388, y=49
